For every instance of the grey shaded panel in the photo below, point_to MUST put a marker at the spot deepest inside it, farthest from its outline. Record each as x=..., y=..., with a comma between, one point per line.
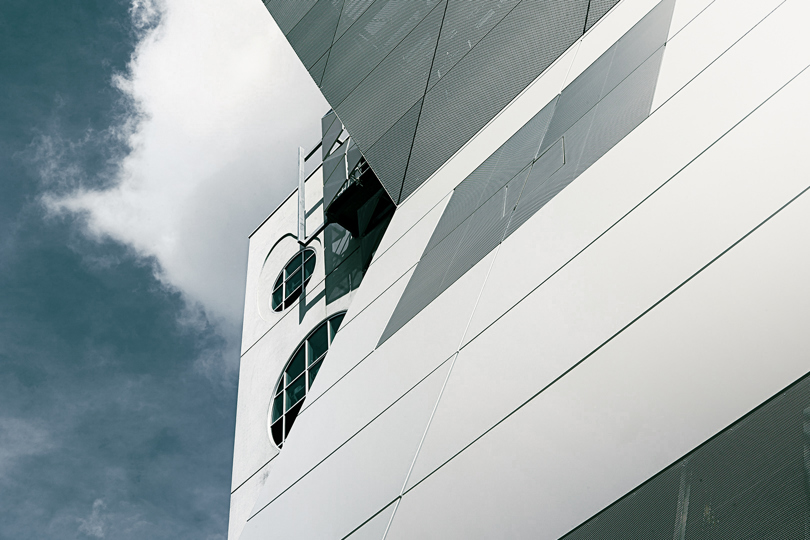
x=393, y=86
x=621, y=111
x=287, y=13
x=316, y=71
x=579, y=97
x=425, y=283
x=334, y=175
x=641, y=41
x=352, y=9
x=464, y=25
x=548, y=176
x=749, y=481
x=486, y=229
x=371, y=38
x=312, y=36
x=493, y=173
x=493, y=73
x=388, y=157
x=353, y=156
x=597, y=10
x=330, y=130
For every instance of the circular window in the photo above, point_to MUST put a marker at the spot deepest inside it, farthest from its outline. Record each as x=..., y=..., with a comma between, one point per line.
x=295, y=382
x=292, y=280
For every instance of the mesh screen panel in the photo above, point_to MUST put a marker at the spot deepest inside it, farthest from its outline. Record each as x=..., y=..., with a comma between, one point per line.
x=352, y=9
x=286, y=13
x=464, y=26
x=316, y=71
x=312, y=36
x=496, y=70
x=380, y=28
x=749, y=482
x=389, y=155
x=597, y=10
x=392, y=88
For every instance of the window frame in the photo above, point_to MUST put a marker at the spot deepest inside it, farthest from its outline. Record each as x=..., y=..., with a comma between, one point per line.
x=289, y=296
x=289, y=409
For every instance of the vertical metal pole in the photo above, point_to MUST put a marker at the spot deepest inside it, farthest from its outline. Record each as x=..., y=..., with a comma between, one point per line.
x=302, y=209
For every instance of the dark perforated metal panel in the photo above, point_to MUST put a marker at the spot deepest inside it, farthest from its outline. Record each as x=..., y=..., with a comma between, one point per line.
x=352, y=9
x=579, y=128
x=380, y=28
x=493, y=73
x=748, y=482
x=392, y=88
x=597, y=10
x=330, y=131
x=287, y=13
x=312, y=36
x=316, y=71
x=389, y=155
x=493, y=173
x=467, y=21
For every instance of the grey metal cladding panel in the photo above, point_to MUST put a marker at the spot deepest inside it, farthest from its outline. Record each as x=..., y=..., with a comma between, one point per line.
x=389, y=155
x=353, y=155
x=641, y=41
x=621, y=111
x=494, y=72
x=426, y=282
x=316, y=71
x=499, y=168
x=579, y=97
x=597, y=10
x=380, y=28
x=486, y=229
x=333, y=160
x=334, y=176
x=392, y=88
x=312, y=36
x=330, y=131
x=464, y=25
x=287, y=13
x=352, y=9
x=648, y=515
x=549, y=175
x=749, y=481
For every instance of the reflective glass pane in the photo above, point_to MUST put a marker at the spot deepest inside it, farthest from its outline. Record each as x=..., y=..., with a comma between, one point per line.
x=317, y=343
x=296, y=366
x=278, y=297
x=294, y=281
x=313, y=370
x=278, y=407
x=278, y=281
x=334, y=324
x=292, y=297
x=293, y=265
x=289, y=418
x=309, y=267
x=277, y=430
x=296, y=391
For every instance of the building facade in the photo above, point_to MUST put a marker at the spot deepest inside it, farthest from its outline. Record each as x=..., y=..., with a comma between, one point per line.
x=547, y=277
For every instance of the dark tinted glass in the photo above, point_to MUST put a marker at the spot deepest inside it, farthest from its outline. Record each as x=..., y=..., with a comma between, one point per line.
x=296, y=366
x=296, y=391
x=278, y=407
x=313, y=370
x=309, y=267
x=277, y=431
x=293, y=265
x=317, y=343
x=290, y=417
x=334, y=324
x=278, y=298
x=294, y=281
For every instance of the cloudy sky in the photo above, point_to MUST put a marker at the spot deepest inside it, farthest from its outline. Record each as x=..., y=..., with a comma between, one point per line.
x=140, y=143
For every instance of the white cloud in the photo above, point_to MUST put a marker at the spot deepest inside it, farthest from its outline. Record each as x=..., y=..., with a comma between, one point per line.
x=222, y=103
x=94, y=524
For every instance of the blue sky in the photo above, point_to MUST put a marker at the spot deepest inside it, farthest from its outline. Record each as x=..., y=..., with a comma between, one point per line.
x=140, y=143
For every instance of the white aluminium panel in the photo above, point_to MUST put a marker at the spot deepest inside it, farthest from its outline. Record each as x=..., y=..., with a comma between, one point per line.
x=243, y=499
x=354, y=483
x=374, y=529
x=606, y=32
x=729, y=339
x=685, y=11
x=708, y=206
x=401, y=256
x=706, y=38
x=379, y=380
x=356, y=339
x=671, y=137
